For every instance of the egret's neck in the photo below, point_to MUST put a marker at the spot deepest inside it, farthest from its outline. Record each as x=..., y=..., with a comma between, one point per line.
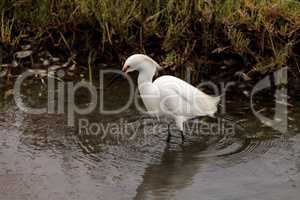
x=146, y=76
x=148, y=91
x=147, y=88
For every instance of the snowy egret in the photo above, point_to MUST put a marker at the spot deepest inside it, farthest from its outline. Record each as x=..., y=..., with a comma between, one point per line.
x=168, y=95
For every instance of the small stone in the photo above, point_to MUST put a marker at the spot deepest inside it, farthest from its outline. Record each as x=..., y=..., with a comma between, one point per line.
x=39, y=72
x=246, y=93
x=14, y=63
x=73, y=67
x=23, y=54
x=3, y=73
x=55, y=67
x=54, y=59
x=70, y=74
x=66, y=64
x=46, y=62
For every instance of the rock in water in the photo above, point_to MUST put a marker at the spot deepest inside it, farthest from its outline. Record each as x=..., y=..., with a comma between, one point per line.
x=23, y=54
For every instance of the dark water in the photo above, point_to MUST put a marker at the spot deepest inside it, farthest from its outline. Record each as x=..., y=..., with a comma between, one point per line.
x=42, y=158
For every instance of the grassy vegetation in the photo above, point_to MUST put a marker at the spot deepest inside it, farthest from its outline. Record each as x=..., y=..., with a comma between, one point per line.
x=262, y=34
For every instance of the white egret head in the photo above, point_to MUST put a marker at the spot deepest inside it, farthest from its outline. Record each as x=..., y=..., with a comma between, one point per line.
x=140, y=62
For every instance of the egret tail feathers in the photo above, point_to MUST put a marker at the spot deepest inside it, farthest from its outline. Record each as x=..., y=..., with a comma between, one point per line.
x=212, y=105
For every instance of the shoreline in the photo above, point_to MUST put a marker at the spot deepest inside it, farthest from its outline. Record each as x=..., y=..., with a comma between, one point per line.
x=230, y=40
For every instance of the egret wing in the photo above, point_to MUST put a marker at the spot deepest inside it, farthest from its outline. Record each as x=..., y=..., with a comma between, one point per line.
x=181, y=98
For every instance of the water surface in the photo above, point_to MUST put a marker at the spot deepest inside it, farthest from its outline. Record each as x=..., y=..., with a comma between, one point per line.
x=41, y=157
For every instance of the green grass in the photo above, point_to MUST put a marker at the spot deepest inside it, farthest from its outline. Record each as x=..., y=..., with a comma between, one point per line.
x=6, y=29
x=263, y=32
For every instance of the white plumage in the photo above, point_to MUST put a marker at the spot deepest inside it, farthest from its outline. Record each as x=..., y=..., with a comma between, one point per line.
x=169, y=95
